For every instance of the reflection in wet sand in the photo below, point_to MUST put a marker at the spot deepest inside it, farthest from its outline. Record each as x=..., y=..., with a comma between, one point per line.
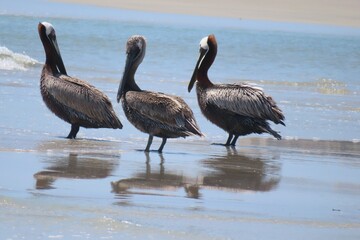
x=229, y=172
x=75, y=166
x=153, y=180
x=238, y=172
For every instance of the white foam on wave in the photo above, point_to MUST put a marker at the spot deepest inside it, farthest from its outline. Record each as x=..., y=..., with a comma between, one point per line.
x=15, y=61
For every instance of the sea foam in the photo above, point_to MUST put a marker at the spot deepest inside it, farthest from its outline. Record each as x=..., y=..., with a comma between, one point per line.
x=15, y=61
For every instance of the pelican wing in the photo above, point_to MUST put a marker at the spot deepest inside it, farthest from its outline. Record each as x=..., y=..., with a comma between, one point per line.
x=83, y=99
x=246, y=100
x=170, y=111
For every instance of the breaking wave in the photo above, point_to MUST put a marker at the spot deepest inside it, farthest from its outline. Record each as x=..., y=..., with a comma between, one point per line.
x=15, y=61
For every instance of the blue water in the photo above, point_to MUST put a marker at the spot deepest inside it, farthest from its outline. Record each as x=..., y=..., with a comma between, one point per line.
x=101, y=186
x=311, y=73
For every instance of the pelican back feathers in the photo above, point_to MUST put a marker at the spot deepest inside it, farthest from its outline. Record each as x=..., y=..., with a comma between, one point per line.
x=245, y=100
x=77, y=102
x=169, y=116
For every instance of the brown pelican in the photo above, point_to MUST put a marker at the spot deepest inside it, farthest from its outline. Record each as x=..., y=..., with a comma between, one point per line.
x=239, y=109
x=157, y=114
x=71, y=99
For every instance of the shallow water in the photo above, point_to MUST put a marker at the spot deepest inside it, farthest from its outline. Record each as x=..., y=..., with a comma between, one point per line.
x=312, y=76
x=103, y=185
x=91, y=188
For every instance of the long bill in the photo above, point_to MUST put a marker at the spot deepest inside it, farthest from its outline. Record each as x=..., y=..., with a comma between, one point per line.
x=125, y=78
x=59, y=62
x=193, y=78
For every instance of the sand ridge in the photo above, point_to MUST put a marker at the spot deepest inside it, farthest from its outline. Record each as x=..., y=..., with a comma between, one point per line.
x=331, y=12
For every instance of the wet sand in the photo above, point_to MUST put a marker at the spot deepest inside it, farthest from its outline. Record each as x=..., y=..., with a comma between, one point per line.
x=106, y=188
x=103, y=186
x=333, y=12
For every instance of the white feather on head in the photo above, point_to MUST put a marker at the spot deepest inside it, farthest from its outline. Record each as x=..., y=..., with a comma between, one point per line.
x=48, y=27
x=204, y=44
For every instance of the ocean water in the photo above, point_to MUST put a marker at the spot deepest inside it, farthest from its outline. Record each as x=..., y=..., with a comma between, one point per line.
x=313, y=76
x=103, y=186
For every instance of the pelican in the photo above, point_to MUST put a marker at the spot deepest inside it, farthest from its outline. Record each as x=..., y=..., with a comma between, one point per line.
x=71, y=99
x=157, y=114
x=239, y=109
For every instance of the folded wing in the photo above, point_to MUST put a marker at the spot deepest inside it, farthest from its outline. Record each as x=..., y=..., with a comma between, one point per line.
x=245, y=100
x=170, y=111
x=83, y=99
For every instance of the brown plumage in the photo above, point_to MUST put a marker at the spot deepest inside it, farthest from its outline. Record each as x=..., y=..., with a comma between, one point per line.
x=71, y=99
x=239, y=109
x=157, y=114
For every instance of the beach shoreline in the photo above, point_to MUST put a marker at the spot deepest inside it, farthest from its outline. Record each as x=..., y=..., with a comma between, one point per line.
x=311, y=12
x=102, y=185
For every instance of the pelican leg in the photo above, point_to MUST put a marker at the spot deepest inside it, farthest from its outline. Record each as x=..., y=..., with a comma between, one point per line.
x=74, y=130
x=147, y=149
x=162, y=145
x=234, y=140
x=229, y=140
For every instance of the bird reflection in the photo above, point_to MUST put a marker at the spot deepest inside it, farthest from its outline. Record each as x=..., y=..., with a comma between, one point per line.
x=149, y=179
x=76, y=167
x=230, y=172
x=238, y=172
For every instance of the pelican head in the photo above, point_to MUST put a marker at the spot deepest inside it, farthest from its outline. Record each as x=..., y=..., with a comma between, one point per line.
x=135, y=52
x=205, y=44
x=48, y=38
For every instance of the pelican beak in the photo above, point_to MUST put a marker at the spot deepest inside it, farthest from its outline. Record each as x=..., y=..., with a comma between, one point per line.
x=193, y=78
x=49, y=41
x=128, y=66
x=60, y=64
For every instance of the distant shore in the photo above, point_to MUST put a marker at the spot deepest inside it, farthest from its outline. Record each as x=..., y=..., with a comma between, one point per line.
x=334, y=12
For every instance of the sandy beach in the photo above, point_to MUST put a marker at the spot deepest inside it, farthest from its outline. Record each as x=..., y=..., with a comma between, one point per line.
x=332, y=12
x=103, y=186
